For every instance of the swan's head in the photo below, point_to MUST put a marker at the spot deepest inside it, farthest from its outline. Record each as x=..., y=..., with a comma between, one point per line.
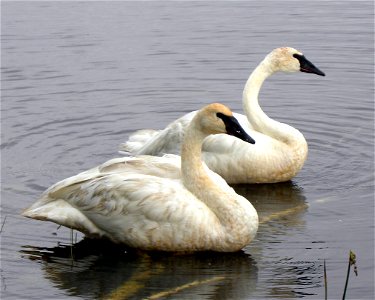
x=217, y=118
x=288, y=59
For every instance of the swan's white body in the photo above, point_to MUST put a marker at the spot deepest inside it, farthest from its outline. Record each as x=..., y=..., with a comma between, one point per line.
x=280, y=150
x=156, y=203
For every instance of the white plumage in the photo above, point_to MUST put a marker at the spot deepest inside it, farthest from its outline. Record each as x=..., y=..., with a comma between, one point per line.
x=157, y=203
x=280, y=151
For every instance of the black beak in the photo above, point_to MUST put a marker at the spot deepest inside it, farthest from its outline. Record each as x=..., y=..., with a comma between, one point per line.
x=307, y=66
x=234, y=128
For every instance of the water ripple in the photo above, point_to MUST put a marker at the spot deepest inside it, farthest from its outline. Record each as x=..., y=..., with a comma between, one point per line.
x=78, y=78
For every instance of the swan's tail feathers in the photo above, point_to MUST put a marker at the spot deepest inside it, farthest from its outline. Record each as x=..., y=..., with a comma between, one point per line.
x=136, y=141
x=62, y=213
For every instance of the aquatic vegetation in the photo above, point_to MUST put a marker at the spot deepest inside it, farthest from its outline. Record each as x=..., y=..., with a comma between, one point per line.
x=352, y=262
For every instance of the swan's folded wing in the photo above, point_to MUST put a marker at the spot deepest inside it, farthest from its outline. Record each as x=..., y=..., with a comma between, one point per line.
x=137, y=140
x=159, y=142
x=167, y=166
x=139, y=210
x=163, y=167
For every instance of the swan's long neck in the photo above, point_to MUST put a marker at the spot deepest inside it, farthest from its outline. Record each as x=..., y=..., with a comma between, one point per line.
x=195, y=178
x=192, y=169
x=257, y=118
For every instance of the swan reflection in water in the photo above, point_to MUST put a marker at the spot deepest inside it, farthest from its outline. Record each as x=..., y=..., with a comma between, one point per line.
x=277, y=202
x=100, y=269
x=277, y=249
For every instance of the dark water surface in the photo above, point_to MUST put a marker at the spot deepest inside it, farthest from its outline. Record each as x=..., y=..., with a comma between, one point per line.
x=79, y=77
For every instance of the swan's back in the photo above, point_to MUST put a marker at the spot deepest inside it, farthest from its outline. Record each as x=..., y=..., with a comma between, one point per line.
x=95, y=202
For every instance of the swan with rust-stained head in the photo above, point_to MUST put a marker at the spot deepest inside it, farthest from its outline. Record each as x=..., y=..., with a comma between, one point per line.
x=280, y=151
x=158, y=203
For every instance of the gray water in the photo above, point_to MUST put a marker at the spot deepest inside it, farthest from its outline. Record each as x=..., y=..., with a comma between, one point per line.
x=78, y=78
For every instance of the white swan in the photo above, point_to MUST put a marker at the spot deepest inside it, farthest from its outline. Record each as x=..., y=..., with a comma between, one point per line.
x=158, y=203
x=280, y=151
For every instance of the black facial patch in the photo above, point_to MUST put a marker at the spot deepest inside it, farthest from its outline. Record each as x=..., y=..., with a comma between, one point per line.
x=234, y=128
x=299, y=56
x=307, y=66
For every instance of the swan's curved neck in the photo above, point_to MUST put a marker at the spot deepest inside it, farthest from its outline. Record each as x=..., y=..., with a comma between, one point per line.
x=194, y=175
x=199, y=183
x=258, y=119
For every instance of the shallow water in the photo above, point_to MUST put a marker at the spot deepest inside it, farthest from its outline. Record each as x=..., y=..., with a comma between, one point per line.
x=78, y=78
